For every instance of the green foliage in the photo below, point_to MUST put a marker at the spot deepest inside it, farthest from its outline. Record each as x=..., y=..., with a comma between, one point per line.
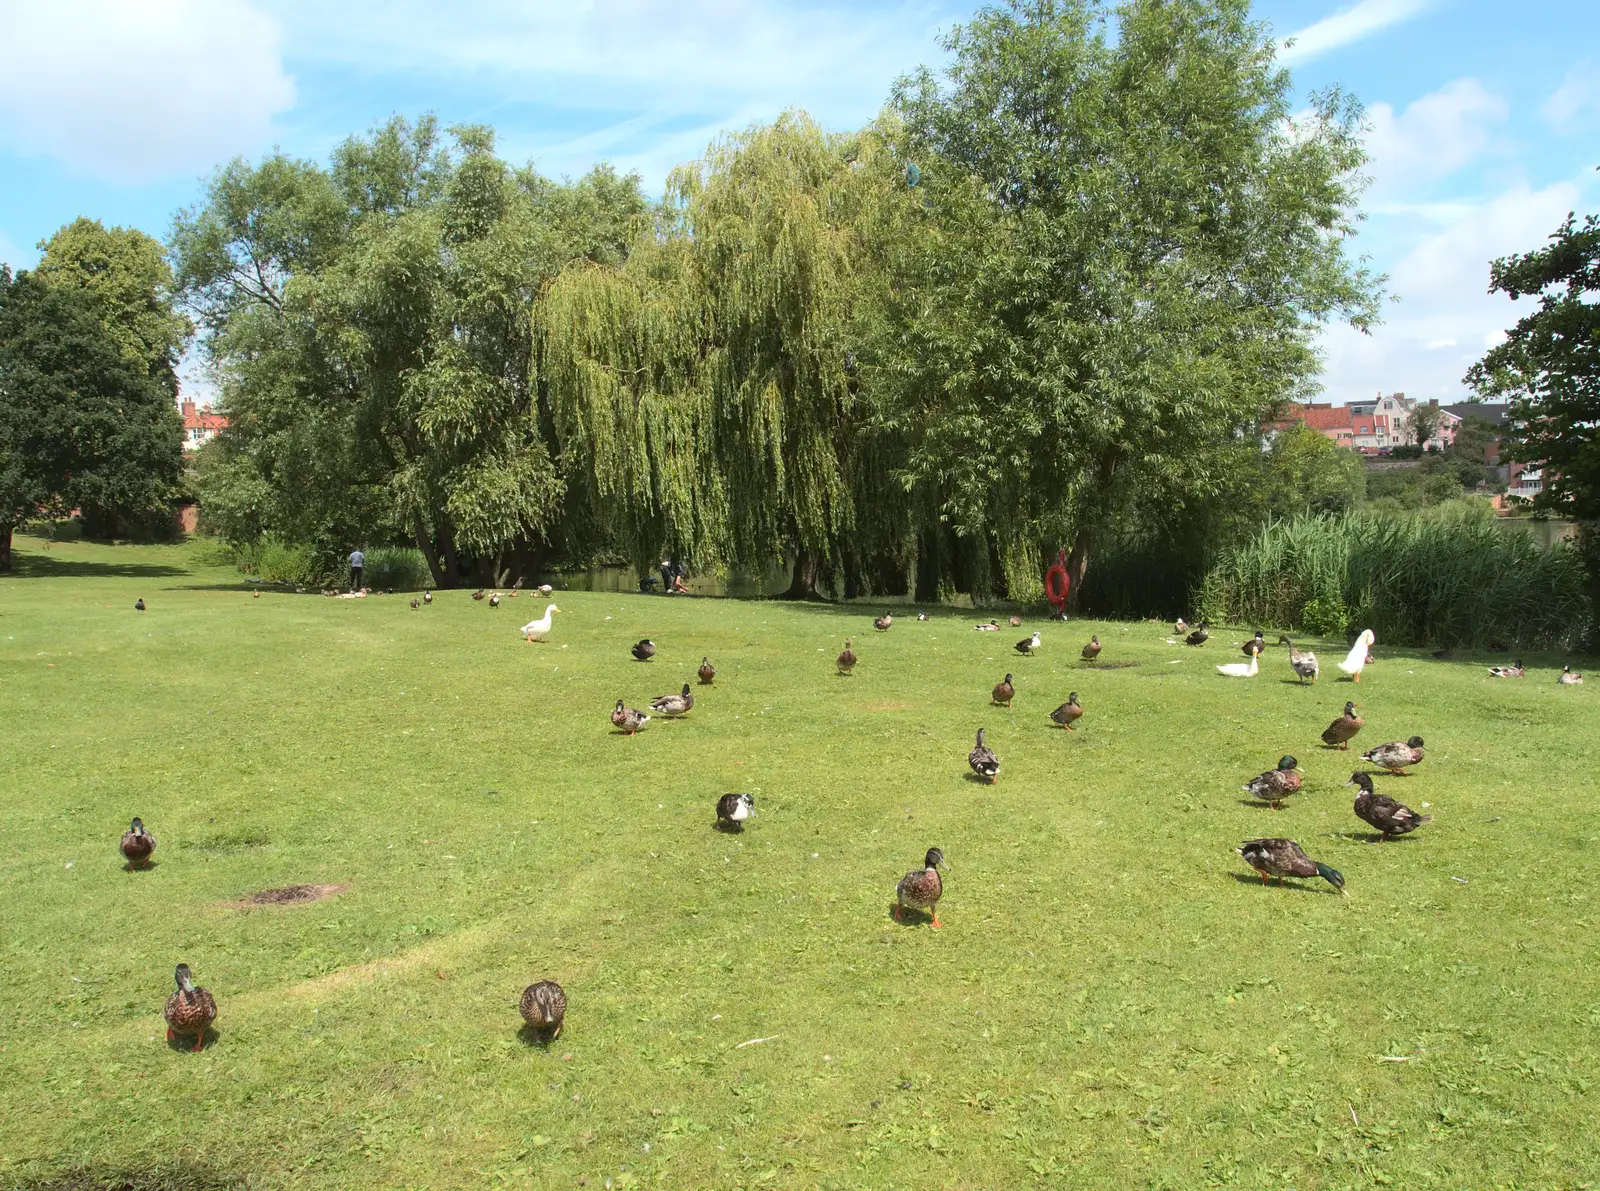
x=125, y=276
x=1302, y=471
x=1449, y=578
x=1326, y=616
x=1125, y=253
x=80, y=425
x=274, y=560
x=397, y=568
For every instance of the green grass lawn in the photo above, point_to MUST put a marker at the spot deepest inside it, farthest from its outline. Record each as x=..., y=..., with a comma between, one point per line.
x=1115, y=1001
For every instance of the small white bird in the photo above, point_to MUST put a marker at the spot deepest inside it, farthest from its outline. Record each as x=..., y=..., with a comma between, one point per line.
x=538, y=630
x=1242, y=669
x=1357, y=657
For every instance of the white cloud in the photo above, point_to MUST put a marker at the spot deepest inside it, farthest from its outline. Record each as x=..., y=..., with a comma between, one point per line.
x=131, y=92
x=1353, y=24
x=1577, y=95
x=1429, y=338
x=1434, y=137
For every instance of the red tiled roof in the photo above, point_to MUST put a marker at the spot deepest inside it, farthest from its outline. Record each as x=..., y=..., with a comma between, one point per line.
x=1324, y=417
x=205, y=421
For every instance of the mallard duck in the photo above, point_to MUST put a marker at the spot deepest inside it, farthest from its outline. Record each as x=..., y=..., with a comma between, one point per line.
x=1568, y=678
x=921, y=889
x=1004, y=692
x=1016, y=622
x=1302, y=662
x=538, y=630
x=921, y=617
x=138, y=605
x=427, y=597
x=1358, y=657
x=846, y=661
x=983, y=761
x=1284, y=858
x=137, y=844
x=494, y=600
x=544, y=1008
x=883, y=622
x=190, y=1010
x=479, y=594
x=1275, y=785
x=1242, y=669
x=1091, y=650
x=1388, y=816
x=707, y=672
x=1180, y=626
x=1258, y=643
x=416, y=604
x=1200, y=636
x=1396, y=755
x=255, y=595
x=628, y=719
x=1514, y=670
x=1027, y=646
x=674, y=705
x=1339, y=733
x=991, y=627
x=733, y=810
x=644, y=650
x=1067, y=714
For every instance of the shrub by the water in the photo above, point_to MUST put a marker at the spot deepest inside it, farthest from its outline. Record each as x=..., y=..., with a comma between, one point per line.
x=1451, y=577
x=399, y=567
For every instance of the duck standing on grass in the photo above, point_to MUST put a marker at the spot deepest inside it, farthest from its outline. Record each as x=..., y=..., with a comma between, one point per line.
x=1003, y=692
x=1273, y=786
x=983, y=761
x=733, y=810
x=707, y=672
x=644, y=650
x=1380, y=811
x=494, y=600
x=1200, y=636
x=1284, y=858
x=628, y=719
x=673, y=706
x=1027, y=647
x=1356, y=660
x=1180, y=626
x=846, y=661
x=138, y=604
x=921, y=889
x=1302, y=662
x=1338, y=734
x=1396, y=755
x=1242, y=669
x=137, y=844
x=1091, y=650
x=883, y=623
x=1568, y=678
x=427, y=597
x=544, y=1008
x=538, y=630
x=190, y=1010
x=1067, y=714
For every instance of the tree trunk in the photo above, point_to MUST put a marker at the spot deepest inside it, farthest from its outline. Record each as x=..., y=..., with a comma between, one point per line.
x=425, y=544
x=5, y=548
x=1077, y=567
x=804, y=585
x=452, y=567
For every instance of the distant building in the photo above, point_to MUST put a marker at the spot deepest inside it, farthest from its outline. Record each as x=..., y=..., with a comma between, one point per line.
x=200, y=425
x=1373, y=426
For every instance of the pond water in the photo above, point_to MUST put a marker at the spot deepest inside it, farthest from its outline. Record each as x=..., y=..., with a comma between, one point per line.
x=1546, y=533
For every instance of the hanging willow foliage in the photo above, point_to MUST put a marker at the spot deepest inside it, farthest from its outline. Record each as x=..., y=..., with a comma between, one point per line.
x=701, y=392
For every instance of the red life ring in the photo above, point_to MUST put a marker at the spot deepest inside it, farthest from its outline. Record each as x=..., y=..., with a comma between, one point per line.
x=1056, y=582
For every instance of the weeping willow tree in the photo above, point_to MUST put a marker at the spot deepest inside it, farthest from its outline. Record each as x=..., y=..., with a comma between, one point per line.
x=703, y=393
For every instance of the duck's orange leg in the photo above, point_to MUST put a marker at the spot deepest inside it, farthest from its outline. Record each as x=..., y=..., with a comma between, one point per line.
x=935, y=912
x=200, y=1039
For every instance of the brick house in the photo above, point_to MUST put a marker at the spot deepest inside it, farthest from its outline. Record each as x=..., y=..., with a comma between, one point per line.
x=200, y=425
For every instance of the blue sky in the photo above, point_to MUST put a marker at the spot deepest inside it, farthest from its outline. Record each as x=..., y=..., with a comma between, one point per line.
x=1484, y=114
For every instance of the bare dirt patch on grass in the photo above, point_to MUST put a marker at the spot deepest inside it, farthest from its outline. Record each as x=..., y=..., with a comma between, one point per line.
x=291, y=895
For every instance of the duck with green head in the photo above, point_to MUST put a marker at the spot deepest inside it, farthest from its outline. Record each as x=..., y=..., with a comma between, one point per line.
x=1273, y=786
x=1284, y=858
x=921, y=889
x=1379, y=810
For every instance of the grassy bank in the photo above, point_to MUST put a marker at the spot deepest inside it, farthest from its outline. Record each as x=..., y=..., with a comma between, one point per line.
x=1114, y=999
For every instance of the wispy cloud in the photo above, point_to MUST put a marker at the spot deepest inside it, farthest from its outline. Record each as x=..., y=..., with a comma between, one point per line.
x=1432, y=138
x=1351, y=25
x=1577, y=96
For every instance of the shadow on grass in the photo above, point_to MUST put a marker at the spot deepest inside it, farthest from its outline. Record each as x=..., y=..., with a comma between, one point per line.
x=155, y=1176
x=185, y=1042
x=979, y=781
x=1290, y=883
x=905, y=916
x=42, y=566
x=533, y=1038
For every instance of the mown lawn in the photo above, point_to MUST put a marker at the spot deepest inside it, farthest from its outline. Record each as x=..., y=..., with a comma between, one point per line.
x=1114, y=1000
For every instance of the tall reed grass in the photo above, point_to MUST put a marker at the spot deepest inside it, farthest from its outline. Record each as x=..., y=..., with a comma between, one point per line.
x=1449, y=577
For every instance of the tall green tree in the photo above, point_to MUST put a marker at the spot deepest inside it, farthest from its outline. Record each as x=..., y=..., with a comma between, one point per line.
x=125, y=276
x=371, y=322
x=1126, y=248
x=80, y=423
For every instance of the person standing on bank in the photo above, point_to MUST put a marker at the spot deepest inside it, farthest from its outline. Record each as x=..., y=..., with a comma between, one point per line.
x=358, y=562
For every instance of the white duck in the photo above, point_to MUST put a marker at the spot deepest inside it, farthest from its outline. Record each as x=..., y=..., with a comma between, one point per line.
x=1243, y=669
x=1356, y=659
x=538, y=630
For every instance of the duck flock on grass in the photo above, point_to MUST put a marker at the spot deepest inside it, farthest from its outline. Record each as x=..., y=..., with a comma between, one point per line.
x=191, y=1009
